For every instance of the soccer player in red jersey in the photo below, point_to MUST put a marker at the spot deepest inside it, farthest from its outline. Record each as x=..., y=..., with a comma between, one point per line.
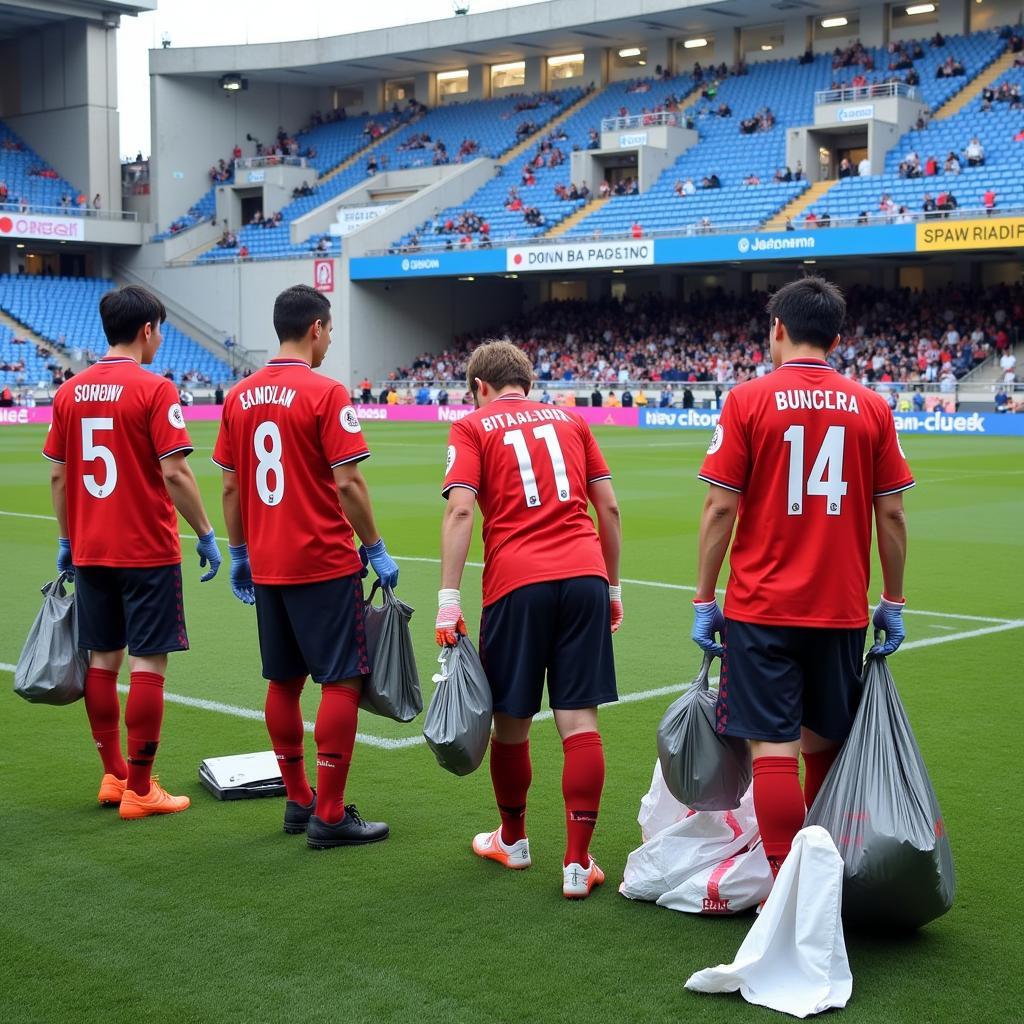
x=801, y=457
x=290, y=445
x=118, y=445
x=551, y=593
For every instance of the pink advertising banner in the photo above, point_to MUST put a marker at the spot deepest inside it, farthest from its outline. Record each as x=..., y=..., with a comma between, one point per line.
x=370, y=413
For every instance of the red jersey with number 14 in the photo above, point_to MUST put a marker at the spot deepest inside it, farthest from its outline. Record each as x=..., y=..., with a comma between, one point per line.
x=112, y=424
x=283, y=432
x=809, y=451
x=530, y=465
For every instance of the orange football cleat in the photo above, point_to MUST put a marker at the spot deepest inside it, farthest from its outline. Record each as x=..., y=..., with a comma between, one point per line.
x=489, y=846
x=156, y=801
x=111, y=790
x=577, y=881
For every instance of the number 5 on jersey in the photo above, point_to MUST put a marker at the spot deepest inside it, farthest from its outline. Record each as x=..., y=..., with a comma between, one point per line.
x=545, y=433
x=92, y=451
x=269, y=463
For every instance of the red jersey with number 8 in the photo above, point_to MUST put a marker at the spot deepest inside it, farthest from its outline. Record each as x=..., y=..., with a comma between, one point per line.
x=283, y=432
x=809, y=451
x=112, y=424
x=530, y=465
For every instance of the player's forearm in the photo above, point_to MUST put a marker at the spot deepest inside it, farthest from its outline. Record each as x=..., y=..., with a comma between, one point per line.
x=715, y=533
x=184, y=491
x=456, y=534
x=232, y=507
x=58, y=492
x=891, y=531
x=609, y=530
x=354, y=496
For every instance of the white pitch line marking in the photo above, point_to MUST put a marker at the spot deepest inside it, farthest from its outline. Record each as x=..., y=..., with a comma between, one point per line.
x=387, y=743
x=637, y=583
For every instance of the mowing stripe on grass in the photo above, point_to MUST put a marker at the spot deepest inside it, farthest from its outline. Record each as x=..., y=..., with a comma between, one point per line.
x=638, y=583
x=386, y=743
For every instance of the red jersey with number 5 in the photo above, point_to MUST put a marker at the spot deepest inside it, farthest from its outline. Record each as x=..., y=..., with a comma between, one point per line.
x=112, y=424
x=809, y=451
x=530, y=465
x=283, y=432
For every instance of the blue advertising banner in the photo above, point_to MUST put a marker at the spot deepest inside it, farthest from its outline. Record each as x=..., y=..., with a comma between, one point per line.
x=966, y=424
x=428, y=264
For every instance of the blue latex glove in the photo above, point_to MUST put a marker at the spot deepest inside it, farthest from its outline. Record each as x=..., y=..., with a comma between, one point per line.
x=64, y=562
x=383, y=564
x=206, y=548
x=241, y=574
x=888, y=618
x=707, y=621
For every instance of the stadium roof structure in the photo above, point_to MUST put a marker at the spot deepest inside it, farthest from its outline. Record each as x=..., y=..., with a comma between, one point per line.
x=18, y=16
x=546, y=28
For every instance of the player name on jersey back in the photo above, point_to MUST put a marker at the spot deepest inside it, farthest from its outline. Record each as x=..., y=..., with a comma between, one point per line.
x=816, y=398
x=98, y=392
x=269, y=394
x=503, y=420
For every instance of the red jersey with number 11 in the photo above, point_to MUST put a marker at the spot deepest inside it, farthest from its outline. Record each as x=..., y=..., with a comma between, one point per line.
x=530, y=465
x=112, y=424
x=283, y=432
x=809, y=451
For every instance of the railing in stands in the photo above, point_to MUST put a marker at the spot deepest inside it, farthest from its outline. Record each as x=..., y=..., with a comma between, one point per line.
x=67, y=211
x=251, y=162
x=617, y=124
x=878, y=90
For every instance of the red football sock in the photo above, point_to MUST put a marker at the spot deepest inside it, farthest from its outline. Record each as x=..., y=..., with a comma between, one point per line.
x=511, y=774
x=143, y=716
x=816, y=767
x=582, y=782
x=779, y=805
x=283, y=714
x=335, y=736
x=103, y=706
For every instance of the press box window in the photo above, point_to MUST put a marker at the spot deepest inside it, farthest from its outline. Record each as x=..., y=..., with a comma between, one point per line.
x=451, y=83
x=565, y=66
x=508, y=76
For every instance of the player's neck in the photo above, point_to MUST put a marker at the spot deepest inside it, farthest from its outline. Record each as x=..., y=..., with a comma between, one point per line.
x=132, y=351
x=301, y=350
x=787, y=352
x=511, y=391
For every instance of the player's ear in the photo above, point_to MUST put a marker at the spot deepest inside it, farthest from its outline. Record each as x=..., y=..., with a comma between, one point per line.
x=835, y=341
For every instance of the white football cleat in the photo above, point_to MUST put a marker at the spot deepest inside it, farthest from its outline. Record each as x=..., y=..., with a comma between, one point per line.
x=577, y=881
x=490, y=846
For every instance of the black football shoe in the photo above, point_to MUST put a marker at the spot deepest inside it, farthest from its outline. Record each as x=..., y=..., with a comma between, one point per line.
x=350, y=831
x=296, y=815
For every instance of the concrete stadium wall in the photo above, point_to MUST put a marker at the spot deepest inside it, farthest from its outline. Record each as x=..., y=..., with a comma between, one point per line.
x=196, y=123
x=58, y=90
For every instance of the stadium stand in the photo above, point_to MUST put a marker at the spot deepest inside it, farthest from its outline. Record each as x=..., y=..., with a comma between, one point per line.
x=23, y=363
x=65, y=310
x=901, y=336
x=411, y=141
x=27, y=182
x=203, y=210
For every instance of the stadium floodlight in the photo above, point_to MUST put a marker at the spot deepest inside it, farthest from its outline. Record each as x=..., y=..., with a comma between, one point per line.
x=460, y=7
x=233, y=83
x=447, y=76
x=767, y=46
x=920, y=9
x=694, y=44
x=565, y=58
x=630, y=51
x=834, y=22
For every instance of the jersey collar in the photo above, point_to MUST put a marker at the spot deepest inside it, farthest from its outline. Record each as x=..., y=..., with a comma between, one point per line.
x=289, y=362
x=808, y=364
x=118, y=359
x=510, y=398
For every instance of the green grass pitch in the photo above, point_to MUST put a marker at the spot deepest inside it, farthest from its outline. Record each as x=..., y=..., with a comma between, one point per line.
x=216, y=915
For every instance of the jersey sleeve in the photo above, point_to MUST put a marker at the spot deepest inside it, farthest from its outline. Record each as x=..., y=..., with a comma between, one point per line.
x=223, y=454
x=891, y=471
x=597, y=468
x=167, y=429
x=55, y=448
x=462, y=468
x=727, y=463
x=341, y=434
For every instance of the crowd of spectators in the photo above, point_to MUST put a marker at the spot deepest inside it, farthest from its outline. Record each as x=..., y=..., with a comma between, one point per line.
x=899, y=337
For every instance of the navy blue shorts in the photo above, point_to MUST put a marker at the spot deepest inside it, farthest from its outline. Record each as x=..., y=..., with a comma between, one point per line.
x=561, y=628
x=313, y=629
x=776, y=679
x=141, y=609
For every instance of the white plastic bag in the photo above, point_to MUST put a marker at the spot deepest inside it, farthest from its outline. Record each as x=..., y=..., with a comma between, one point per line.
x=658, y=807
x=731, y=886
x=794, y=956
x=695, y=844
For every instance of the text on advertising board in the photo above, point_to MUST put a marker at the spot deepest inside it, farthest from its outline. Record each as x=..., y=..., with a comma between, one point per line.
x=971, y=234
x=584, y=256
x=27, y=226
x=862, y=113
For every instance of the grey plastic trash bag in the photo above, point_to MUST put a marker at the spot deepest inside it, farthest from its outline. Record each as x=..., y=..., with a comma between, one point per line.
x=458, y=723
x=878, y=805
x=392, y=689
x=51, y=669
x=704, y=770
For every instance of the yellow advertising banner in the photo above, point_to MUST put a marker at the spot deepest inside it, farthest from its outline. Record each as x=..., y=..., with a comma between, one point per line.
x=990, y=233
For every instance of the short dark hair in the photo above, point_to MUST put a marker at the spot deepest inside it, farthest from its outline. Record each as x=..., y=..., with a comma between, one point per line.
x=125, y=311
x=296, y=309
x=811, y=309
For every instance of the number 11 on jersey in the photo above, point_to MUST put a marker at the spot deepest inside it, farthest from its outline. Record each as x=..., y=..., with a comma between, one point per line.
x=545, y=433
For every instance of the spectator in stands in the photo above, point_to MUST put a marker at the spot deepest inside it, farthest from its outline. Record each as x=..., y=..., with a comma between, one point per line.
x=605, y=190
x=96, y=203
x=929, y=207
x=811, y=219
x=1003, y=402
x=845, y=168
x=596, y=398
x=931, y=167
x=594, y=139
x=636, y=230
x=789, y=224
x=864, y=167
x=798, y=174
x=825, y=220
x=952, y=164
x=975, y=153
x=946, y=202
x=950, y=68
x=751, y=179
x=988, y=200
